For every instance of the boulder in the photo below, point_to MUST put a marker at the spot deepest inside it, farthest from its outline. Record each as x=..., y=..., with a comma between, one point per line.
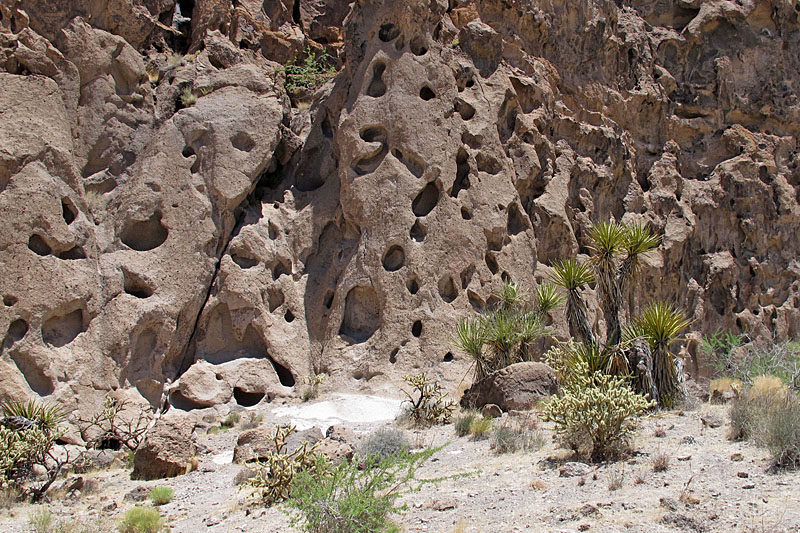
x=519, y=386
x=257, y=444
x=167, y=451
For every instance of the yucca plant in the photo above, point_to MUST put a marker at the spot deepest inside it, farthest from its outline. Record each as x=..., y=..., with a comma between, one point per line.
x=608, y=239
x=546, y=298
x=660, y=324
x=470, y=335
x=45, y=417
x=573, y=275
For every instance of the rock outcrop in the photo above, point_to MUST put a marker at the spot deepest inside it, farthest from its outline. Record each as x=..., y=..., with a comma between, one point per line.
x=170, y=211
x=516, y=387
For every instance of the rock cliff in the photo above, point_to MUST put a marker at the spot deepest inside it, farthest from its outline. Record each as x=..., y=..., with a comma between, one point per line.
x=177, y=226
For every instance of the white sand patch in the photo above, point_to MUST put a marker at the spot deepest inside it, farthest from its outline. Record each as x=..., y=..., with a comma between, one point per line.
x=224, y=458
x=342, y=409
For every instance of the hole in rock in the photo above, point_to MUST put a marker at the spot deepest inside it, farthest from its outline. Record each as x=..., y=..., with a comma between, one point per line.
x=244, y=261
x=188, y=151
x=247, y=399
x=466, y=276
x=488, y=164
x=275, y=298
x=281, y=269
x=416, y=328
x=145, y=235
x=448, y=357
x=413, y=163
x=76, y=252
x=447, y=289
x=68, y=210
x=377, y=87
x=328, y=299
x=462, y=173
x=110, y=443
x=473, y=141
x=284, y=374
x=288, y=316
x=418, y=232
x=388, y=32
x=135, y=285
x=491, y=262
x=426, y=200
x=400, y=43
x=412, y=286
x=464, y=109
x=418, y=45
x=373, y=134
x=426, y=93
x=506, y=277
x=179, y=401
x=243, y=142
x=60, y=330
x=9, y=300
x=38, y=246
x=362, y=314
x=393, y=355
x=475, y=301
x=17, y=330
x=516, y=221
x=368, y=164
x=37, y=380
x=394, y=258
x=466, y=214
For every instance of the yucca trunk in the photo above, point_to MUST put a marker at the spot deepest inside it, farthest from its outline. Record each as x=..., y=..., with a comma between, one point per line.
x=640, y=360
x=577, y=319
x=665, y=376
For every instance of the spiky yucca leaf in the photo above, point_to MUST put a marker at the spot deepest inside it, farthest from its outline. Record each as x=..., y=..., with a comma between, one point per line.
x=48, y=416
x=660, y=324
x=547, y=298
x=608, y=239
x=639, y=239
x=511, y=295
x=470, y=338
x=571, y=274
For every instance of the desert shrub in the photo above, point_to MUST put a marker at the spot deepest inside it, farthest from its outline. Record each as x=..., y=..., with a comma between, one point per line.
x=28, y=435
x=252, y=421
x=660, y=462
x=782, y=432
x=464, y=421
x=312, y=384
x=231, y=420
x=346, y=499
x=161, y=495
x=595, y=412
x=383, y=443
x=717, y=349
x=42, y=520
x=427, y=402
x=480, y=427
x=273, y=477
x=121, y=423
x=511, y=438
x=188, y=97
x=309, y=73
x=503, y=335
x=781, y=360
x=141, y=520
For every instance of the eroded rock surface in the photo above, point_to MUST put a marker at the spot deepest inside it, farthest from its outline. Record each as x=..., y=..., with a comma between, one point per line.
x=169, y=210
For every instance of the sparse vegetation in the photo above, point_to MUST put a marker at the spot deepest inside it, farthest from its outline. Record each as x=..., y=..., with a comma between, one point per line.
x=346, y=499
x=120, y=423
x=42, y=520
x=273, y=477
x=141, y=520
x=309, y=73
x=464, y=421
x=427, y=402
x=616, y=479
x=312, y=384
x=252, y=421
x=384, y=443
x=188, y=97
x=780, y=359
x=514, y=437
x=161, y=495
x=660, y=462
x=480, y=427
x=595, y=412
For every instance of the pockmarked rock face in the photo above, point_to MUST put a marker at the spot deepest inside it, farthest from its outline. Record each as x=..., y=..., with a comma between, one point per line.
x=170, y=211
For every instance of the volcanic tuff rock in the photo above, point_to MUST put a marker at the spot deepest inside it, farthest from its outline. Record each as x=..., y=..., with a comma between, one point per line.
x=169, y=209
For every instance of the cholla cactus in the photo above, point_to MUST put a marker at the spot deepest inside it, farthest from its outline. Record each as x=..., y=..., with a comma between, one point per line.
x=595, y=412
x=431, y=405
x=273, y=477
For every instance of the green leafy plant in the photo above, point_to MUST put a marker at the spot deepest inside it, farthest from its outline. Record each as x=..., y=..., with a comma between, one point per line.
x=480, y=427
x=141, y=520
x=188, y=97
x=273, y=476
x=780, y=359
x=595, y=412
x=161, y=495
x=42, y=520
x=464, y=421
x=515, y=437
x=346, y=499
x=427, y=402
x=309, y=73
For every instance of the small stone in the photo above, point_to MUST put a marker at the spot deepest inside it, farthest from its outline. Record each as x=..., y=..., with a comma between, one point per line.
x=749, y=486
x=491, y=410
x=684, y=457
x=737, y=457
x=583, y=527
x=210, y=521
x=743, y=475
x=443, y=505
x=573, y=470
x=712, y=420
x=109, y=507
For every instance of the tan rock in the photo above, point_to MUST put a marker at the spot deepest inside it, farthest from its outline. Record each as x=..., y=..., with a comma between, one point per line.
x=519, y=386
x=167, y=451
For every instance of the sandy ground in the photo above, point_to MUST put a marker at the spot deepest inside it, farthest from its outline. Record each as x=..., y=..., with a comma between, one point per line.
x=711, y=484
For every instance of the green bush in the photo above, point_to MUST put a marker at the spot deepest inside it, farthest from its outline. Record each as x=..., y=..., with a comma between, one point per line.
x=594, y=413
x=780, y=359
x=427, y=402
x=480, y=427
x=141, y=520
x=42, y=520
x=463, y=423
x=161, y=495
x=346, y=499
x=309, y=73
x=384, y=443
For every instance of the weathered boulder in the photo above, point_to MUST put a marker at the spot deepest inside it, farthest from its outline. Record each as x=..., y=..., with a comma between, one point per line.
x=167, y=451
x=519, y=386
x=257, y=444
